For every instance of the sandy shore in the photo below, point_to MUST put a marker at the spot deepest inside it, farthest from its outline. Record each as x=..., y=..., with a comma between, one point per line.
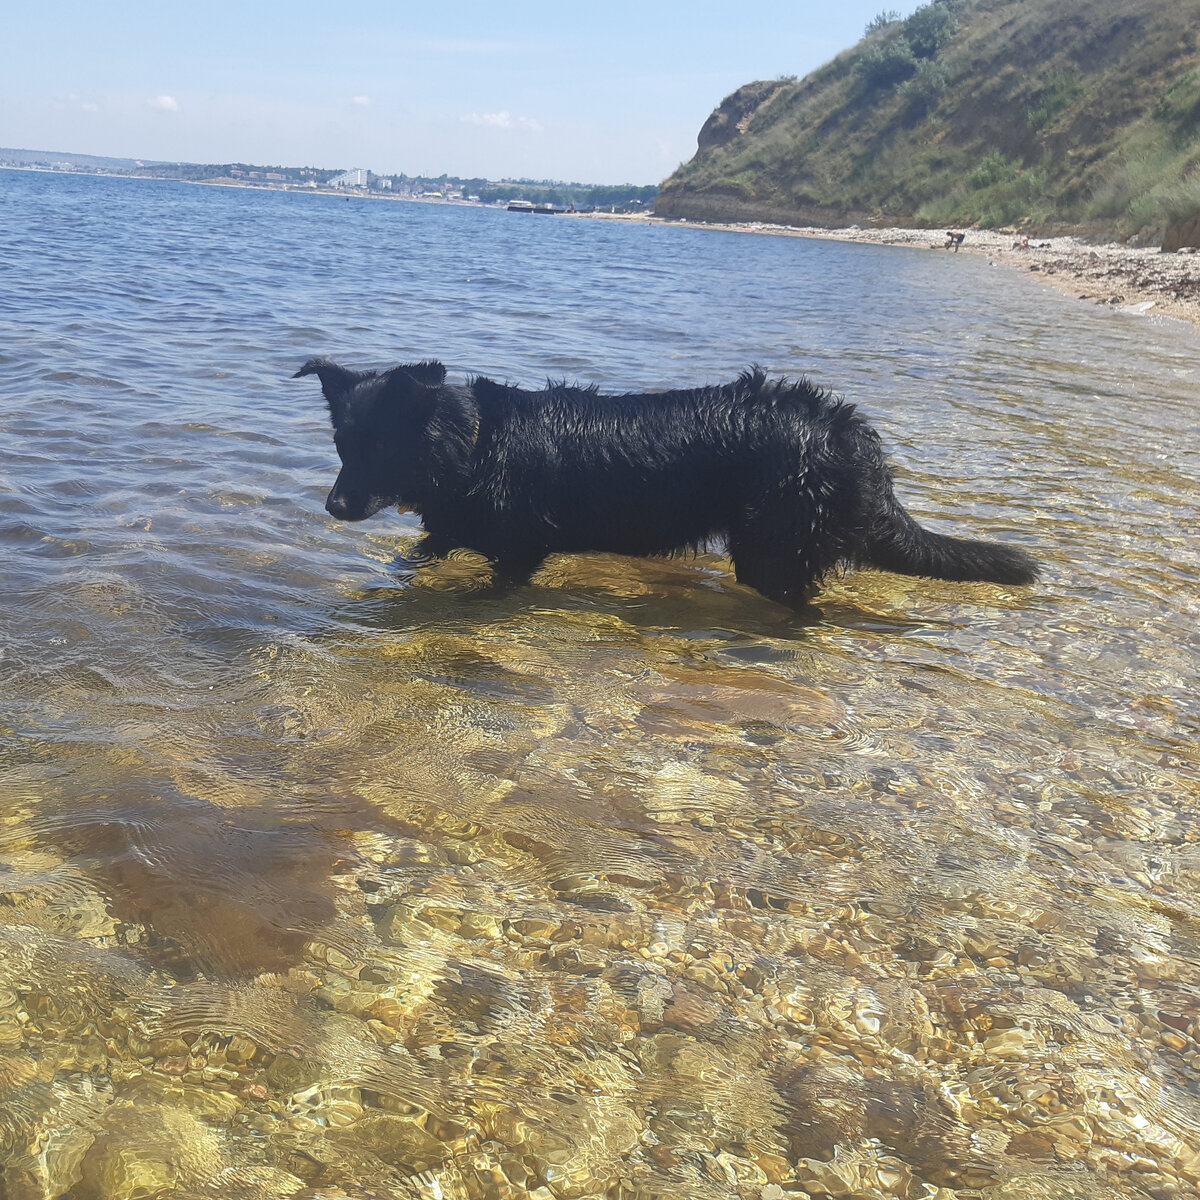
x=1142, y=280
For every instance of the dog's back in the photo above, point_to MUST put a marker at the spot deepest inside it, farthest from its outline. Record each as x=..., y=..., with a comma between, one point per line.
x=650, y=473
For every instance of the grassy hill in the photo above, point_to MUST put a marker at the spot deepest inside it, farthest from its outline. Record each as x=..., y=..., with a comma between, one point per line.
x=1046, y=113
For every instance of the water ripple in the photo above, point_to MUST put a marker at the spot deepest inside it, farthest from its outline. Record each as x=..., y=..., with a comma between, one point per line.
x=322, y=873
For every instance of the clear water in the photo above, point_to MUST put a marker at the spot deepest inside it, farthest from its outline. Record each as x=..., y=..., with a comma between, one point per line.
x=321, y=880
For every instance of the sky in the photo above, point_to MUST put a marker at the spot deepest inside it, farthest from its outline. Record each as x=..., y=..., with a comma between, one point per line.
x=589, y=91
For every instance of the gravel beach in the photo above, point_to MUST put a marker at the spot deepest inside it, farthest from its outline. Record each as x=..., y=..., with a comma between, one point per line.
x=1142, y=279
x=1138, y=279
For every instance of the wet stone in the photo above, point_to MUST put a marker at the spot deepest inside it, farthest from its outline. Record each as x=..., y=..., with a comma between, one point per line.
x=576, y=907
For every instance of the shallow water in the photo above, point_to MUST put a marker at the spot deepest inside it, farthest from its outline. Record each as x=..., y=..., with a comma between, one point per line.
x=321, y=879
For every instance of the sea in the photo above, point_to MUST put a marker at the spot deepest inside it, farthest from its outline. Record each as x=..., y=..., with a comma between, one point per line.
x=323, y=877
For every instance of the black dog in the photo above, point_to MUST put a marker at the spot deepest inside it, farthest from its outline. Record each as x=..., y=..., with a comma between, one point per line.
x=793, y=479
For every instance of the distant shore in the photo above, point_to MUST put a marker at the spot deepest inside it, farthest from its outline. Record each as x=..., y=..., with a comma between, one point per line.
x=1126, y=278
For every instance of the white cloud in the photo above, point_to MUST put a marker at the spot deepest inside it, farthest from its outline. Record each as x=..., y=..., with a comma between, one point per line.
x=496, y=120
x=361, y=101
x=90, y=107
x=164, y=103
x=501, y=120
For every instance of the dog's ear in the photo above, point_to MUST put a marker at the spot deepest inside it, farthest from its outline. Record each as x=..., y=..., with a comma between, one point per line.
x=430, y=372
x=335, y=383
x=413, y=385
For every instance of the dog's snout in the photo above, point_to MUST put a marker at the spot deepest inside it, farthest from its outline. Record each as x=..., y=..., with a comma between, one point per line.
x=336, y=506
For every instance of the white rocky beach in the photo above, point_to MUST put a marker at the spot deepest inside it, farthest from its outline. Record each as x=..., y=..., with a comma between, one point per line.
x=1142, y=279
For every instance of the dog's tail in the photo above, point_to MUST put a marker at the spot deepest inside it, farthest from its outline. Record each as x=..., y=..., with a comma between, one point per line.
x=896, y=542
x=887, y=536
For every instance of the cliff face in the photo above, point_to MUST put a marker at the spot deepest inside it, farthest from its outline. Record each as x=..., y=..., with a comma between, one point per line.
x=731, y=117
x=1067, y=113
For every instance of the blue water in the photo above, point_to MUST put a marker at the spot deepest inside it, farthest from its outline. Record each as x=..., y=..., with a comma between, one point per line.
x=310, y=861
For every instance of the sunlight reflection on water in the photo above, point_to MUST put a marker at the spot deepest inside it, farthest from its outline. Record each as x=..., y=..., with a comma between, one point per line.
x=323, y=879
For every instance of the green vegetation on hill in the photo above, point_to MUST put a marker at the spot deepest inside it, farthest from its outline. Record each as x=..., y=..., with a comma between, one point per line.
x=544, y=191
x=1054, y=113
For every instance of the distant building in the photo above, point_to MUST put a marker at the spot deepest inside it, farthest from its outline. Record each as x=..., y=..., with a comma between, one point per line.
x=356, y=178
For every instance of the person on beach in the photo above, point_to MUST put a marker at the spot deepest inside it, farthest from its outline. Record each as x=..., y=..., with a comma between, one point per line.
x=955, y=239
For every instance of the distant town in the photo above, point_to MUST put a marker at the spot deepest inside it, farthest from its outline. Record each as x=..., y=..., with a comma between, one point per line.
x=545, y=194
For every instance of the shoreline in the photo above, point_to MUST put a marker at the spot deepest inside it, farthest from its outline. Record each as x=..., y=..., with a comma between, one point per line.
x=1140, y=280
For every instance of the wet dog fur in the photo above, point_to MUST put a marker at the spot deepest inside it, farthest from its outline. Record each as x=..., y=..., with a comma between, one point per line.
x=791, y=478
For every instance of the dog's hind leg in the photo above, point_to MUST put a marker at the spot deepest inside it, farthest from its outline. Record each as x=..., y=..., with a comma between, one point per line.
x=774, y=577
x=777, y=570
x=780, y=548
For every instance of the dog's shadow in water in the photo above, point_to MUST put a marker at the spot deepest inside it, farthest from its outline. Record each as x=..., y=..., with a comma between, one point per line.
x=692, y=596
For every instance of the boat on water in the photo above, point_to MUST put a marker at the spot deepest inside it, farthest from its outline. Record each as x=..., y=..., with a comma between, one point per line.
x=527, y=206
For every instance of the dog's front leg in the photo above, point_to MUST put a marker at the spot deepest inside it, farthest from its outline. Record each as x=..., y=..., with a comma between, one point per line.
x=514, y=570
x=423, y=552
